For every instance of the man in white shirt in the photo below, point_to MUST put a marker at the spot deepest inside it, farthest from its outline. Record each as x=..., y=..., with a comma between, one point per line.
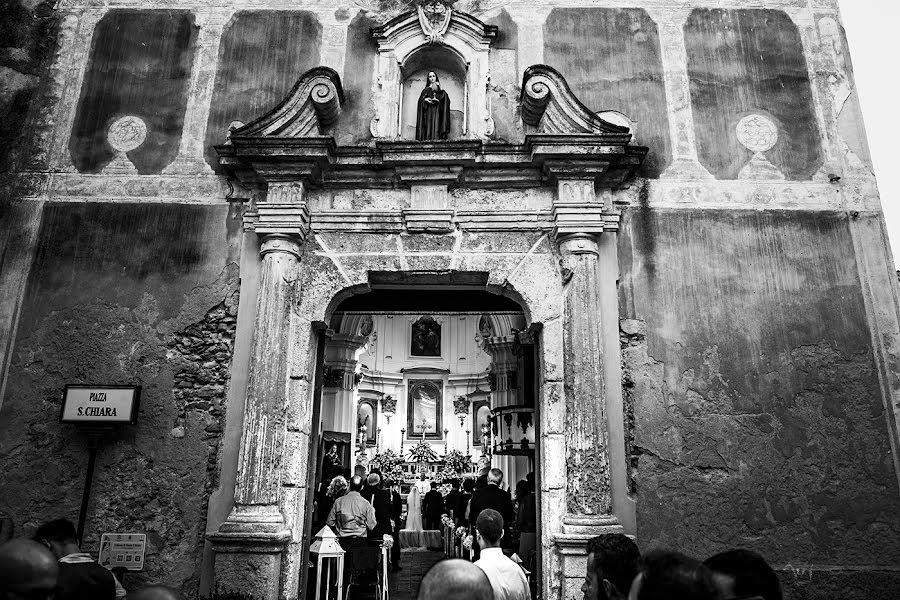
x=506, y=577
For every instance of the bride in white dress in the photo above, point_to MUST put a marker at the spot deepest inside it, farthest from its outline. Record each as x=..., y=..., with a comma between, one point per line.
x=413, y=520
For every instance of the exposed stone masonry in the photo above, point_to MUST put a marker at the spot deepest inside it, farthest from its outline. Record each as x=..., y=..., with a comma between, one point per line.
x=632, y=334
x=201, y=355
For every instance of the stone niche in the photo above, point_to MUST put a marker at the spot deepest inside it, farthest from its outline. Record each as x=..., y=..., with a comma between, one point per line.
x=451, y=69
x=459, y=55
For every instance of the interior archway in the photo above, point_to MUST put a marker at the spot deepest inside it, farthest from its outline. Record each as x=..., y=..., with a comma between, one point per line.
x=484, y=356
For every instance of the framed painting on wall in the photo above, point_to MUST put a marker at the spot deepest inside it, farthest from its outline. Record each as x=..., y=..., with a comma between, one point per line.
x=424, y=409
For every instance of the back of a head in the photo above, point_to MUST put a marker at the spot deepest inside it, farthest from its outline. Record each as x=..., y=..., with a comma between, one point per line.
x=154, y=592
x=617, y=557
x=374, y=479
x=359, y=471
x=356, y=483
x=749, y=574
x=495, y=476
x=469, y=485
x=665, y=575
x=434, y=485
x=27, y=568
x=490, y=525
x=455, y=579
x=61, y=531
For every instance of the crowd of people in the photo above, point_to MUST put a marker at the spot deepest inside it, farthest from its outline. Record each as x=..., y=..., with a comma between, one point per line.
x=615, y=571
x=51, y=565
x=366, y=510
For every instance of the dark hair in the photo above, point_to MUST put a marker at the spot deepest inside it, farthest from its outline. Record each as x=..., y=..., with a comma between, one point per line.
x=434, y=485
x=454, y=483
x=668, y=574
x=490, y=525
x=59, y=530
x=616, y=558
x=522, y=490
x=468, y=485
x=356, y=483
x=751, y=573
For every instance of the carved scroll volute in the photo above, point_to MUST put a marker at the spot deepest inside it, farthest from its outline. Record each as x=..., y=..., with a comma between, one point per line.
x=550, y=105
x=535, y=96
x=310, y=109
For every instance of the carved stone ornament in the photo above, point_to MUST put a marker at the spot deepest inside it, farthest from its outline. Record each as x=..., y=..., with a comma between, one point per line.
x=290, y=143
x=550, y=105
x=124, y=135
x=127, y=133
x=434, y=17
x=311, y=107
x=758, y=134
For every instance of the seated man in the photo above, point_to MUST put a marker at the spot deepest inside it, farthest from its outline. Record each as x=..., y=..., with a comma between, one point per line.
x=743, y=574
x=352, y=516
x=506, y=577
x=612, y=563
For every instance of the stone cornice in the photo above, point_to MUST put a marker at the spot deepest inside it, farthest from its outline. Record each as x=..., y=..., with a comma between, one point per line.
x=606, y=157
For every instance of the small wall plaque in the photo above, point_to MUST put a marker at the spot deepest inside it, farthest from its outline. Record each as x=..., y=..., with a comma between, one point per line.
x=100, y=405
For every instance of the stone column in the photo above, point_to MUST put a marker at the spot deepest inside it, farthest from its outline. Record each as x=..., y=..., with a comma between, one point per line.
x=190, y=158
x=580, y=221
x=340, y=382
x=250, y=543
x=685, y=163
x=504, y=392
x=69, y=75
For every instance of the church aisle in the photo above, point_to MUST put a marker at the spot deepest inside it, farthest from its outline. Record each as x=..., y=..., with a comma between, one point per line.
x=404, y=585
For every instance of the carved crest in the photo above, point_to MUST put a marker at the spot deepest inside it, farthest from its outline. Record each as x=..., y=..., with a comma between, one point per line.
x=434, y=17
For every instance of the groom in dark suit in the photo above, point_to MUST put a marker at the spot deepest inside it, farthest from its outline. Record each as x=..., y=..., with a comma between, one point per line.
x=491, y=496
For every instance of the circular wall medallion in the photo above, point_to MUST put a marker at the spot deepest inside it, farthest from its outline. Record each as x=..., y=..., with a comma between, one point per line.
x=127, y=133
x=757, y=133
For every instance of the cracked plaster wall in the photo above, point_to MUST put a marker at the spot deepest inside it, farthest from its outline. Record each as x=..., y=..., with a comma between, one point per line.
x=124, y=294
x=758, y=420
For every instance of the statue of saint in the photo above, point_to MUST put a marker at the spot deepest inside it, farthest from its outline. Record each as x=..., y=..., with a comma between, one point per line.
x=433, y=115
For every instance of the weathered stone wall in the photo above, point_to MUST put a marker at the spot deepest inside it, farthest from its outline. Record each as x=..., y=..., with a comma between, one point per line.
x=27, y=41
x=124, y=294
x=758, y=417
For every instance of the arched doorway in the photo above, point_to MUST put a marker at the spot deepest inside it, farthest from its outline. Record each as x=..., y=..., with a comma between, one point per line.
x=416, y=367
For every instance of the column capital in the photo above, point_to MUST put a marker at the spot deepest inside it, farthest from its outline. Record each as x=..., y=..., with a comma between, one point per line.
x=578, y=244
x=280, y=243
x=284, y=213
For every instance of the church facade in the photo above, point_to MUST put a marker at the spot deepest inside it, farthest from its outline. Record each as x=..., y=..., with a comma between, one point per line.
x=635, y=247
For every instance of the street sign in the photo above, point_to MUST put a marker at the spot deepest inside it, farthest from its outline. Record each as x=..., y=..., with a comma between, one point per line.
x=100, y=405
x=122, y=550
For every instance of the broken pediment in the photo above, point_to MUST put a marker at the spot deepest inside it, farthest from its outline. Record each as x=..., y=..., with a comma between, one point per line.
x=550, y=105
x=312, y=106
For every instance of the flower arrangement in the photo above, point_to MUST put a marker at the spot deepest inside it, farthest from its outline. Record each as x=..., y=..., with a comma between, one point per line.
x=389, y=463
x=467, y=542
x=422, y=453
x=460, y=531
x=456, y=464
x=387, y=541
x=446, y=520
